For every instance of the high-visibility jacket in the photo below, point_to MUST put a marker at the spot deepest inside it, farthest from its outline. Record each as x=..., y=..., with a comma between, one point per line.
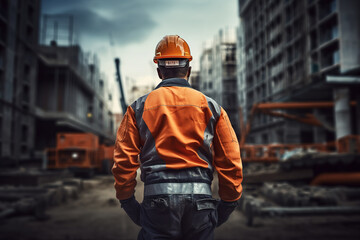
x=176, y=135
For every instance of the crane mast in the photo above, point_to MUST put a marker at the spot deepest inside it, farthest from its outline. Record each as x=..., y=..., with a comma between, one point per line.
x=118, y=78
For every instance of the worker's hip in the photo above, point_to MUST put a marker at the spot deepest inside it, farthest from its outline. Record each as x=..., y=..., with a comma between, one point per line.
x=178, y=216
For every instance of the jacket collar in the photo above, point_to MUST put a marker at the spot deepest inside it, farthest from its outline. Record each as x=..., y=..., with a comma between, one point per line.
x=178, y=82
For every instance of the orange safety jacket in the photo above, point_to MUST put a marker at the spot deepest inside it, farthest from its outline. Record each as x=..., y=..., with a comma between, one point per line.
x=181, y=135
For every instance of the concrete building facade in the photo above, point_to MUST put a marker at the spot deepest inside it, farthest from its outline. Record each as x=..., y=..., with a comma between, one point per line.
x=240, y=67
x=218, y=78
x=206, y=74
x=19, y=27
x=291, y=47
x=195, y=80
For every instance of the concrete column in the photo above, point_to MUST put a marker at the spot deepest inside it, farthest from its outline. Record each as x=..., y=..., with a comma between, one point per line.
x=319, y=132
x=357, y=119
x=342, y=112
x=54, y=98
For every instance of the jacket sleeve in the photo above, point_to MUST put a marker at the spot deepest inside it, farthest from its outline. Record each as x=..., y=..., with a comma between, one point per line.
x=126, y=151
x=227, y=160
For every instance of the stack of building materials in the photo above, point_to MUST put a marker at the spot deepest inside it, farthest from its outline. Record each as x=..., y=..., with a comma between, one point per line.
x=305, y=159
x=34, y=200
x=283, y=199
x=33, y=177
x=24, y=192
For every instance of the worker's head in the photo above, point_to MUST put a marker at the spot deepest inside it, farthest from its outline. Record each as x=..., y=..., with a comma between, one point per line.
x=172, y=54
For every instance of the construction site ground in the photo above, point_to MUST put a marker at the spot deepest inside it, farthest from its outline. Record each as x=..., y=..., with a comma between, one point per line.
x=96, y=214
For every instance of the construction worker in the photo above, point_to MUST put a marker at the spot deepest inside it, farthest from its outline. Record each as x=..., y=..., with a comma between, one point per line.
x=180, y=136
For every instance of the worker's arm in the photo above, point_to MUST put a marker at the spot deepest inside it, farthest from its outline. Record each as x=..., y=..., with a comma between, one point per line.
x=228, y=165
x=227, y=160
x=127, y=149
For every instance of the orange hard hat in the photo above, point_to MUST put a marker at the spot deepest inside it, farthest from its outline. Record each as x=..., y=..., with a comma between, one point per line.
x=172, y=46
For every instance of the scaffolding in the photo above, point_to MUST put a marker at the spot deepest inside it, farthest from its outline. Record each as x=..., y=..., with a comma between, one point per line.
x=59, y=29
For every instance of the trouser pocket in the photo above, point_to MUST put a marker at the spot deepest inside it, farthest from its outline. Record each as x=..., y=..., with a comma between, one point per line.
x=155, y=212
x=205, y=215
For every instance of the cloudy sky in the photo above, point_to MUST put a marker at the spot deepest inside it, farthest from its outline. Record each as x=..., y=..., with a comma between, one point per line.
x=130, y=30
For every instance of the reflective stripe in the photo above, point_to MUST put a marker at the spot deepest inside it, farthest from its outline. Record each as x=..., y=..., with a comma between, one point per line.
x=177, y=188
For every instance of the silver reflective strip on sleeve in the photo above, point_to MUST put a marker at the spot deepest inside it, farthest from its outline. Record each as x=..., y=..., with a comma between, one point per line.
x=177, y=188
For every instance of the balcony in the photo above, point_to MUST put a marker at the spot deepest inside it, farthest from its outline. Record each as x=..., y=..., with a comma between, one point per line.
x=274, y=33
x=273, y=14
x=276, y=70
x=275, y=51
x=330, y=59
x=294, y=37
x=277, y=85
x=327, y=8
x=329, y=34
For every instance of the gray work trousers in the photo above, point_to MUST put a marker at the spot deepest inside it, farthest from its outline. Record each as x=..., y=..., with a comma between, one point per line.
x=178, y=216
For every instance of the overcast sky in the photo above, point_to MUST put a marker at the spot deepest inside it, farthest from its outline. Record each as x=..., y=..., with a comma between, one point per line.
x=130, y=30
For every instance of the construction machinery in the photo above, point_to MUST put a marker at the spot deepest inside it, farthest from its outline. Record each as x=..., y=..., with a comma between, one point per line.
x=273, y=152
x=303, y=179
x=80, y=152
x=118, y=78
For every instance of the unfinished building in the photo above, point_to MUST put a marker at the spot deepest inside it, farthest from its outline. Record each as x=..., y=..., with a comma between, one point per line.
x=45, y=89
x=72, y=96
x=218, y=73
x=292, y=47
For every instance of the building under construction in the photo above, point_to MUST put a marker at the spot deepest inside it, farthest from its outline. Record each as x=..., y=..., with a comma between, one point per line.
x=217, y=77
x=300, y=51
x=46, y=89
x=300, y=58
x=72, y=96
x=301, y=181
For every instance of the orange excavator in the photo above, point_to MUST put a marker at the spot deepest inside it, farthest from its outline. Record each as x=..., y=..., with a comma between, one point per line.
x=272, y=152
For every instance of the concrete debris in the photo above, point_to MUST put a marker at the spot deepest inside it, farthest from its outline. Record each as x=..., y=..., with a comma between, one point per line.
x=283, y=199
x=297, y=153
x=76, y=182
x=29, y=200
x=285, y=194
x=306, y=159
x=260, y=168
x=31, y=177
x=90, y=183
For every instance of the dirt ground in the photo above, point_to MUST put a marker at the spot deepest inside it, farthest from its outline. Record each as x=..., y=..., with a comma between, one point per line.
x=96, y=214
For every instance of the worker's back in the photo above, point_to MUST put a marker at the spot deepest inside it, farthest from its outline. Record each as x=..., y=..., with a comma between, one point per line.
x=180, y=121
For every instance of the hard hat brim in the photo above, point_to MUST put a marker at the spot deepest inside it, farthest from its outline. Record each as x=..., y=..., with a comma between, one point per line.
x=171, y=57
